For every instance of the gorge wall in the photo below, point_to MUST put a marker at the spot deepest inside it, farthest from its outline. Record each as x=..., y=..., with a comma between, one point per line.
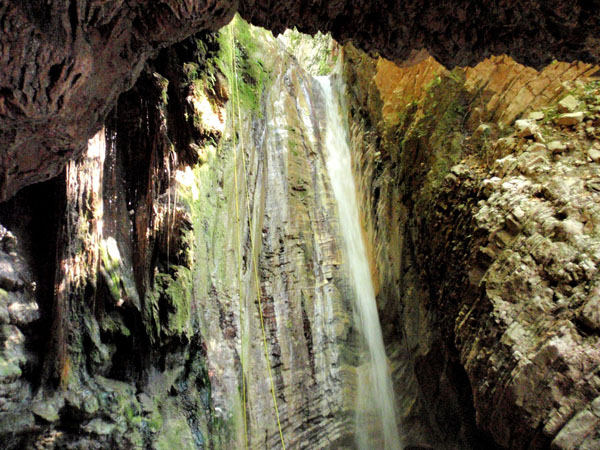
x=269, y=256
x=198, y=267
x=485, y=235
x=105, y=353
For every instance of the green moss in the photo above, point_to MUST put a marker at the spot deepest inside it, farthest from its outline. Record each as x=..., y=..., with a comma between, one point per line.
x=550, y=114
x=248, y=76
x=119, y=400
x=164, y=87
x=293, y=146
x=111, y=263
x=326, y=62
x=155, y=422
x=433, y=84
x=176, y=434
x=591, y=93
x=117, y=274
x=113, y=324
x=190, y=69
x=9, y=370
x=172, y=294
x=316, y=54
x=128, y=412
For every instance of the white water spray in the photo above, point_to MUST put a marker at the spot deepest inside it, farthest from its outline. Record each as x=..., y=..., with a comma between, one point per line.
x=376, y=419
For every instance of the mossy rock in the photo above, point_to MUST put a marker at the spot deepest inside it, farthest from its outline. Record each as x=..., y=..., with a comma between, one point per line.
x=8, y=370
x=175, y=434
x=172, y=296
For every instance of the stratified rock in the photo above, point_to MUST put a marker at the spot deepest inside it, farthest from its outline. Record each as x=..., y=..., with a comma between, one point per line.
x=590, y=313
x=582, y=431
x=570, y=119
x=568, y=104
x=502, y=258
x=556, y=147
x=292, y=243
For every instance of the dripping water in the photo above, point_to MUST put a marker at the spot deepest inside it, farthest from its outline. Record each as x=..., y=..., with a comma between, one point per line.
x=375, y=412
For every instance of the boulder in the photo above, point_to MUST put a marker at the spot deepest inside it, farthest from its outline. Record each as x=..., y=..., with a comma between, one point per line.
x=556, y=147
x=570, y=119
x=536, y=115
x=568, y=104
x=594, y=154
x=526, y=128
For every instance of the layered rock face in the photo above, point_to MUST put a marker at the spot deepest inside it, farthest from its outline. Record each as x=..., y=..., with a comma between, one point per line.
x=270, y=290
x=64, y=65
x=485, y=239
x=269, y=256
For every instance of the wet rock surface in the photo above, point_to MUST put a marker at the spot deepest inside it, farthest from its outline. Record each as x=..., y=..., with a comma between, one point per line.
x=282, y=206
x=143, y=342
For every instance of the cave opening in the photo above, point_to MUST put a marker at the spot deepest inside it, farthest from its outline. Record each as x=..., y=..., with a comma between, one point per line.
x=197, y=288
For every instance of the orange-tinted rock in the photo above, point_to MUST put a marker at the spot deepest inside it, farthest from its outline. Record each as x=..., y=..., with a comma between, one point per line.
x=400, y=86
x=484, y=249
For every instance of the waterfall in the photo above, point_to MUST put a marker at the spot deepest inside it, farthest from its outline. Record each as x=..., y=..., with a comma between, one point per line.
x=375, y=417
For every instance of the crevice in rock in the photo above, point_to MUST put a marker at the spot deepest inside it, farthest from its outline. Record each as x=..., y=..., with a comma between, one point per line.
x=34, y=216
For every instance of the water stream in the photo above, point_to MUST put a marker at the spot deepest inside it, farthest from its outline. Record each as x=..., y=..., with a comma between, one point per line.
x=375, y=418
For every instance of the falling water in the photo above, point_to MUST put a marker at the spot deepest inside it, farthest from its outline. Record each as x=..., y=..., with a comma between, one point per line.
x=376, y=417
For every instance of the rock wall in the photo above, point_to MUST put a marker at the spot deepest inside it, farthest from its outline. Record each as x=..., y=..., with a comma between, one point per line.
x=122, y=322
x=484, y=239
x=99, y=336
x=268, y=251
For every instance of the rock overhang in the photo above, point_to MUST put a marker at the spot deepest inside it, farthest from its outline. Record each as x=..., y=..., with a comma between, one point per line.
x=64, y=65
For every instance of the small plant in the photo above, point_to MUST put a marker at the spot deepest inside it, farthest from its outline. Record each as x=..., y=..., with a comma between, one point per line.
x=190, y=69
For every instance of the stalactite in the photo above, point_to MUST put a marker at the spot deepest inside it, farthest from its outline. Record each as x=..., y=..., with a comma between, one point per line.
x=78, y=259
